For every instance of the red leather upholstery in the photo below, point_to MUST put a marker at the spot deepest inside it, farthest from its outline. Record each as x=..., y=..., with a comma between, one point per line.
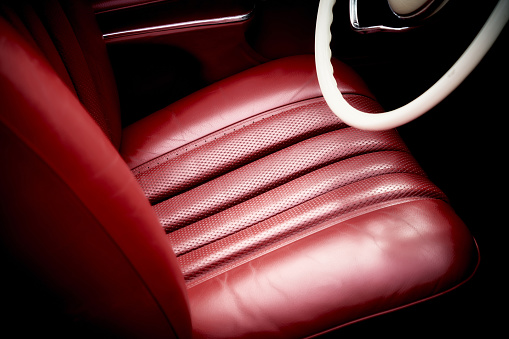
x=57, y=30
x=269, y=216
x=349, y=269
x=72, y=210
x=239, y=97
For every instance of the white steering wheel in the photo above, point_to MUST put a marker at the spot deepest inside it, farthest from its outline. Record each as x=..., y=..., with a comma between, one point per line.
x=426, y=101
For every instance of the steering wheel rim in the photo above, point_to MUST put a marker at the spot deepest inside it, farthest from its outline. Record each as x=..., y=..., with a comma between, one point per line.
x=423, y=103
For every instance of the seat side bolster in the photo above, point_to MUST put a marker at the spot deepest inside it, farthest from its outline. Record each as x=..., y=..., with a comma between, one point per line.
x=40, y=113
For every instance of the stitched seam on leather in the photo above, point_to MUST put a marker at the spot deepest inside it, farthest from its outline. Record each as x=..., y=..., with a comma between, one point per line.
x=218, y=134
x=213, y=165
x=295, y=238
x=253, y=142
x=228, y=130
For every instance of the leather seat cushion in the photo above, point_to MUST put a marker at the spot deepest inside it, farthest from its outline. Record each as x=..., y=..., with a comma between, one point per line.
x=284, y=221
x=345, y=269
x=280, y=214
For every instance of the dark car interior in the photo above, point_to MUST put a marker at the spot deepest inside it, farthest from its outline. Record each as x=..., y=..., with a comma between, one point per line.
x=171, y=170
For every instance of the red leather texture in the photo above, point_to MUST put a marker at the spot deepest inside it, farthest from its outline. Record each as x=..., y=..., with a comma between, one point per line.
x=262, y=187
x=72, y=209
x=348, y=268
x=77, y=54
x=240, y=164
x=245, y=210
x=236, y=98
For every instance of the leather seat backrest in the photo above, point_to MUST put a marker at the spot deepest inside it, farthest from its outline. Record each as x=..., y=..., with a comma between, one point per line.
x=68, y=36
x=71, y=210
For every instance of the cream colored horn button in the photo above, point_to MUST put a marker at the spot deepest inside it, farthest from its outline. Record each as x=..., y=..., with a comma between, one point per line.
x=405, y=7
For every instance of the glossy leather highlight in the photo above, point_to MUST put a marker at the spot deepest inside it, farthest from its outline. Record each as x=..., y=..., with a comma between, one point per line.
x=354, y=267
x=244, y=210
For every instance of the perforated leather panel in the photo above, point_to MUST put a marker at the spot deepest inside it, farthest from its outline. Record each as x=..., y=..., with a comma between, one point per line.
x=285, y=222
x=251, y=185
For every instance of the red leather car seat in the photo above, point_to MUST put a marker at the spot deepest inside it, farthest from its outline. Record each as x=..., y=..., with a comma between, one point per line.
x=244, y=210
